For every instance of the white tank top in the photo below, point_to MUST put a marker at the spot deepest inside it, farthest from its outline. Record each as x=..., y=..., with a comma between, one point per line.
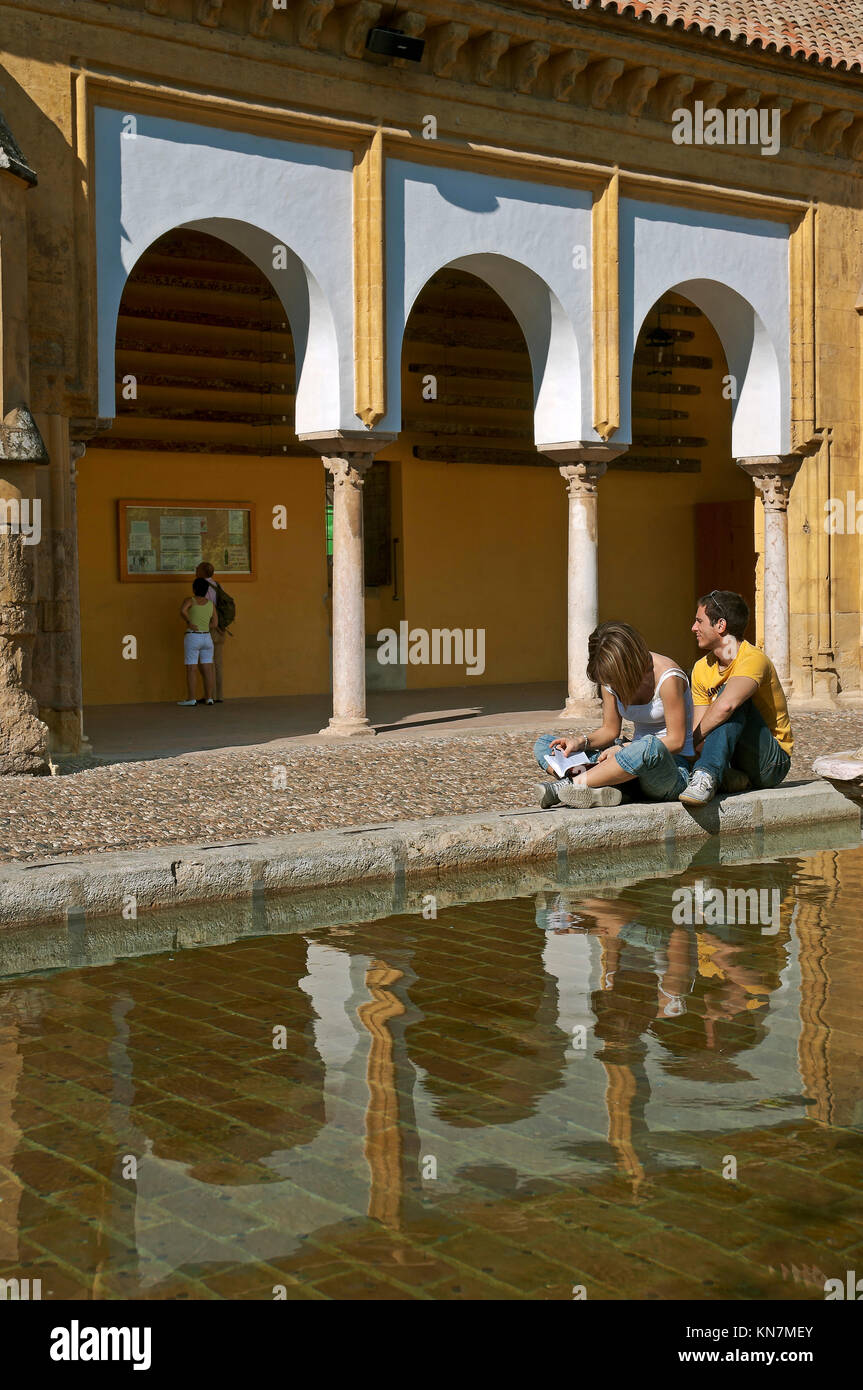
x=650, y=718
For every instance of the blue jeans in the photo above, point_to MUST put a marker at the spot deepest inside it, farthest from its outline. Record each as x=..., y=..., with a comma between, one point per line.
x=745, y=742
x=661, y=776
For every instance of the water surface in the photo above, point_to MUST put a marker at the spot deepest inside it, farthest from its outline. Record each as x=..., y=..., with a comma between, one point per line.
x=520, y=1098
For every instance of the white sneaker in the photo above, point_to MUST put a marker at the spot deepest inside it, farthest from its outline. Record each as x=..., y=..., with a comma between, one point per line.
x=187, y=702
x=209, y=702
x=701, y=789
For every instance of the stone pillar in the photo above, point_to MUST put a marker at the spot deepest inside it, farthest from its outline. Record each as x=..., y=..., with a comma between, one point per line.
x=581, y=466
x=773, y=476
x=73, y=668
x=23, y=736
x=348, y=458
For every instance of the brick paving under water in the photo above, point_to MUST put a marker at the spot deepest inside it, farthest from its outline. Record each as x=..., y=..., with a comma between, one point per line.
x=432, y=1128
x=278, y=789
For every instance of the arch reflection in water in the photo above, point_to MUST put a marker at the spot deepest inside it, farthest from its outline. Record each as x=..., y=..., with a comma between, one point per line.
x=433, y=1123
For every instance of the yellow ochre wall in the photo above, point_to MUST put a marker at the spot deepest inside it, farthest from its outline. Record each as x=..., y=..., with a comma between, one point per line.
x=485, y=547
x=280, y=645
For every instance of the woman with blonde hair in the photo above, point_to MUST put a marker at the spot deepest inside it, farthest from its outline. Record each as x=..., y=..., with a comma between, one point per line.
x=651, y=691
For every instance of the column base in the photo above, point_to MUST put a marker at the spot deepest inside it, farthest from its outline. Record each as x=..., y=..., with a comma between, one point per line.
x=347, y=728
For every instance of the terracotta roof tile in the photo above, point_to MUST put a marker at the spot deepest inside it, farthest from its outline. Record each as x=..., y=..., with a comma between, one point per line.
x=825, y=31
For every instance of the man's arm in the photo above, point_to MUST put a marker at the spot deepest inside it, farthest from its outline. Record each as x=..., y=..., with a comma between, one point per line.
x=734, y=693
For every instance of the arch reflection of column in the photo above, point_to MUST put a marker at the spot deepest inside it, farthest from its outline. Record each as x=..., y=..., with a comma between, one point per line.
x=383, y=1146
x=11, y=1187
x=829, y=1067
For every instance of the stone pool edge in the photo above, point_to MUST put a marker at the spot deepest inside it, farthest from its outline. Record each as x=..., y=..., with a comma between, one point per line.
x=103, y=883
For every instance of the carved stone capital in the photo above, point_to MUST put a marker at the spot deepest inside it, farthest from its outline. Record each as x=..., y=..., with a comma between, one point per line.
x=346, y=455
x=348, y=470
x=773, y=476
x=581, y=478
x=582, y=464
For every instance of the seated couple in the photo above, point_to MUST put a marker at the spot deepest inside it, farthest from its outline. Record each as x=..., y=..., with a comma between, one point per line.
x=730, y=730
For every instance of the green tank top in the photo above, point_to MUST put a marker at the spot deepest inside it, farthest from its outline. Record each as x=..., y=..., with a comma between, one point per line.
x=200, y=615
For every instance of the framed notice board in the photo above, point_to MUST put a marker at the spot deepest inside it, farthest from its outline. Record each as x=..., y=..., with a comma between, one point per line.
x=161, y=541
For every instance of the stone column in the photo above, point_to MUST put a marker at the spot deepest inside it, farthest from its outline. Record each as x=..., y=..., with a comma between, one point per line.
x=23, y=736
x=74, y=673
x=581, y=466
x=348, y=458
x=773, y=476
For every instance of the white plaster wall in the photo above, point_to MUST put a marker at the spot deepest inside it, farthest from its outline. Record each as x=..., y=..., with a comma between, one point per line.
x=520, y=238
x=256, y=193
x=736, y=270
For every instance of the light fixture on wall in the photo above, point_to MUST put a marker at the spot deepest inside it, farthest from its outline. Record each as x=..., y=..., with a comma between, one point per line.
x=393, y=43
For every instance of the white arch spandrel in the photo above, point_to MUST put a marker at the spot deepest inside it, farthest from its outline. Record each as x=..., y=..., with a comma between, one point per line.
x=256, y=194
x=736, y=270
x=531, y=244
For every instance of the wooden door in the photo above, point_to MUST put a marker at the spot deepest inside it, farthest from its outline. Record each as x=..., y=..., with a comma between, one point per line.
x=725, y=551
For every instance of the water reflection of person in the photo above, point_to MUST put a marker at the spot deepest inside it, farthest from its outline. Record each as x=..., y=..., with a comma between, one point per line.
x=739, y=970
x=629, y=946
x=483, y=1027
x=647, y=972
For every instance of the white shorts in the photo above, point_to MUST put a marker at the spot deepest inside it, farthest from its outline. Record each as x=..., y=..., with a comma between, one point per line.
x=197, y=648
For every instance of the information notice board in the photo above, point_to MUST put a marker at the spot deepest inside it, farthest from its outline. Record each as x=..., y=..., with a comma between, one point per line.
x=168, y=540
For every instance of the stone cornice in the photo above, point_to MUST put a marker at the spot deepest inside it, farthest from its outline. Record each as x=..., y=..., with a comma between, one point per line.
x=542, y=51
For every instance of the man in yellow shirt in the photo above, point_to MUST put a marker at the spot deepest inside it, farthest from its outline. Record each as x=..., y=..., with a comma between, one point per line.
x=741, y=731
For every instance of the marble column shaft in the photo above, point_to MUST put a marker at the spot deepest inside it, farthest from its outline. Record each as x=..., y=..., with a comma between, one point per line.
x=773, y=476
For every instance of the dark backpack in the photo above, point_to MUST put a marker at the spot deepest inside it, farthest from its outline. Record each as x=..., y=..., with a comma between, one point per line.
x=226, y=609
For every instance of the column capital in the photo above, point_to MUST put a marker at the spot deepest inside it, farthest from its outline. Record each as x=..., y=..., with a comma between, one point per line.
x=347, y=454
x=581, y=478
x=581, y=464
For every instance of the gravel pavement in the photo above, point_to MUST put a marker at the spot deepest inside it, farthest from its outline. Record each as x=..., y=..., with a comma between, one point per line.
x=259, y=790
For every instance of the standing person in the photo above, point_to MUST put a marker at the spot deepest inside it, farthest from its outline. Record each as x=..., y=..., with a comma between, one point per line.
x=651, y=691
x=205, y=571
x=199, y=615
x=742, y=731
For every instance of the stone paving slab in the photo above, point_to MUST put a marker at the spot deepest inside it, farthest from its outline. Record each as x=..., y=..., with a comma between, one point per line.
x=187, y=874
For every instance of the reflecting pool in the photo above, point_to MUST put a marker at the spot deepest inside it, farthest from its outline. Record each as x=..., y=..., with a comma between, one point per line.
x=639, y=1088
